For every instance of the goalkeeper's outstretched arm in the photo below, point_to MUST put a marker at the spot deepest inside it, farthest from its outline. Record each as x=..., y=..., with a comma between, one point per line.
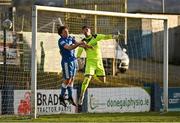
x=102, y=37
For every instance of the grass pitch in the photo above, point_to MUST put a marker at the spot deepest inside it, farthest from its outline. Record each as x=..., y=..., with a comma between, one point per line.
x=100, y=117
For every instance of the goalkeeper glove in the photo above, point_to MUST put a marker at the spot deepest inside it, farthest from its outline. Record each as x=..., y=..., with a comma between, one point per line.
x=118, y=35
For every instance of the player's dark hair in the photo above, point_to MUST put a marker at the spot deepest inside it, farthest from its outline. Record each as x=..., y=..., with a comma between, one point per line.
x=85, y=27
x=61, y=28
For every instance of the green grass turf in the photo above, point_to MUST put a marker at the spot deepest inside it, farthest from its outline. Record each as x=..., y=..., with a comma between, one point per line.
x=100, y=117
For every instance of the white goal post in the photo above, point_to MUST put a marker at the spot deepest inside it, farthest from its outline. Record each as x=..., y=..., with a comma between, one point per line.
x=35, y=10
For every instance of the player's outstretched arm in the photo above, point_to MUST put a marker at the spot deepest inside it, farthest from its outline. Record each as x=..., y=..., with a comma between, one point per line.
x=100, y=37
x=71, y=47
x=103, y=37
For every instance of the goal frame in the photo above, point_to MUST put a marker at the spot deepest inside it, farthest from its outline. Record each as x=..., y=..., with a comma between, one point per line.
x=35, y=10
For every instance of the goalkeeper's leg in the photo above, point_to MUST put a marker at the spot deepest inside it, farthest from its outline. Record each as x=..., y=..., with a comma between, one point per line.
x=84, y=86
x=90, y=70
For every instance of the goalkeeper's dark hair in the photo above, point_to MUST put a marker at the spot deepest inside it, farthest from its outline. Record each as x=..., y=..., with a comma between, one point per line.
x=85, y=27
x=61, y=28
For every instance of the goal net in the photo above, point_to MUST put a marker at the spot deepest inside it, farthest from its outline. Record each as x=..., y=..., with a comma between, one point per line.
x=135, y=62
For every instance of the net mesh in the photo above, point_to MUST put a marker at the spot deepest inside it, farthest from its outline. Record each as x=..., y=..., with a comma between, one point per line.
x=142, y=47
x=136, y=62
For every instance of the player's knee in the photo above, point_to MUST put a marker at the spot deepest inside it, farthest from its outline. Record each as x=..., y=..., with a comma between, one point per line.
x=102, y=79
x=67, y=81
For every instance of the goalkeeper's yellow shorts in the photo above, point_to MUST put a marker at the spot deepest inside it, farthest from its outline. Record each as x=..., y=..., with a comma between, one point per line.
x=94, y=66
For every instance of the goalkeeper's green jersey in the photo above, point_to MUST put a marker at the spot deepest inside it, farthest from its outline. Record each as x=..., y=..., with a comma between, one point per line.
x=93, y=40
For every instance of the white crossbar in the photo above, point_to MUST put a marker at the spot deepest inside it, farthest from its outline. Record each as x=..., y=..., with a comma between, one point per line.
x=102, y=13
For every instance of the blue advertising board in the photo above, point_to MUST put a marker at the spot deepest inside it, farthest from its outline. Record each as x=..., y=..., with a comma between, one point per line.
x=173, y=99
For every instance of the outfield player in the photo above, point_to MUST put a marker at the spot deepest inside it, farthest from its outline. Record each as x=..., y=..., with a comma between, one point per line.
x=67, y=45
x=94, y=63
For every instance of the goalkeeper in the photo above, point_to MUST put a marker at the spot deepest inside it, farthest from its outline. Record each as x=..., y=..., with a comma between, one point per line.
x=94, y=63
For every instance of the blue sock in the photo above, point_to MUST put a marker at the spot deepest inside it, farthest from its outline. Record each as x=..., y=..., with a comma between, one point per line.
x=70, y=91
x=63, y=90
